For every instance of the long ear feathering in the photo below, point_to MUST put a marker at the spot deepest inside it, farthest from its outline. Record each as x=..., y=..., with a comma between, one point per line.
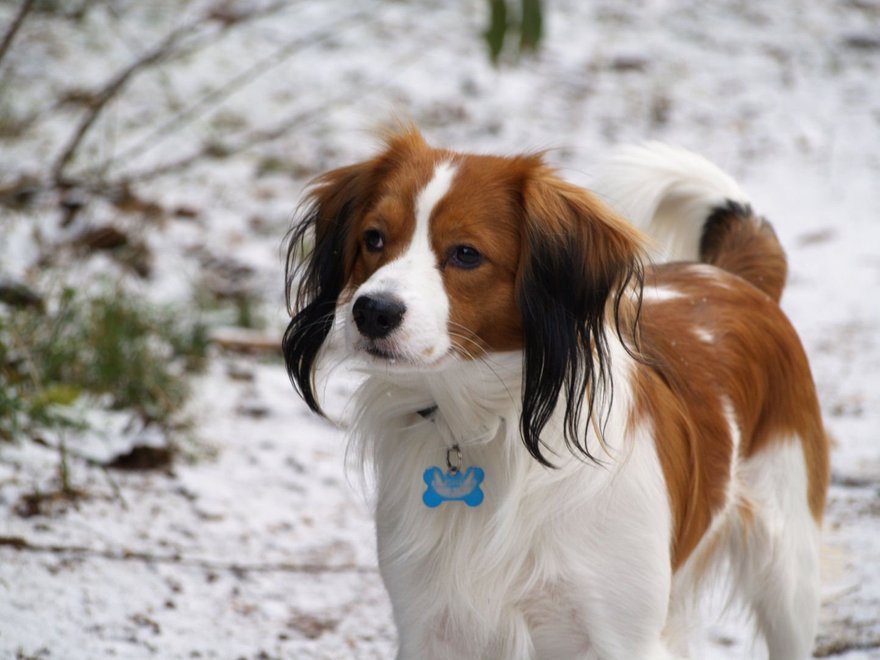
x=314, y=278
x=581, y=264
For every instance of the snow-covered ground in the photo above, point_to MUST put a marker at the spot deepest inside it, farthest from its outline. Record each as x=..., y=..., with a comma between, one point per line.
x=254, y=545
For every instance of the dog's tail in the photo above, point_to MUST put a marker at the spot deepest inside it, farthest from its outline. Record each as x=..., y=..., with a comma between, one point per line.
x=693, y=211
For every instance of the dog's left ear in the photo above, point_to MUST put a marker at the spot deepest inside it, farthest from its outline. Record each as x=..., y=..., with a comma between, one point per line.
x=580, y=269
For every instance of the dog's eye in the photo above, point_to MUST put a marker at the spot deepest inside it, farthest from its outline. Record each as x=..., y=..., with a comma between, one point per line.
x=374, y=240
x=465, y=256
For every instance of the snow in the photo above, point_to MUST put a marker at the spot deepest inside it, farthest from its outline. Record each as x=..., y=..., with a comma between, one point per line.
x=254, y=544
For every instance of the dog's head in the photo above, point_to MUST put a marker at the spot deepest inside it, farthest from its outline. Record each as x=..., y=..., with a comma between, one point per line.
x=431, y=257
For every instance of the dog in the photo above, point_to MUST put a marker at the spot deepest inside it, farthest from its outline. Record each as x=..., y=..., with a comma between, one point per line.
x=567, y=439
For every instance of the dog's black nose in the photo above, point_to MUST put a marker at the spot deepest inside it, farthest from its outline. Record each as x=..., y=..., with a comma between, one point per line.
x=377, y=315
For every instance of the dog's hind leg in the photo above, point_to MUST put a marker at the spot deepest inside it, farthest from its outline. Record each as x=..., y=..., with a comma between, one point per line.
x=775, y=557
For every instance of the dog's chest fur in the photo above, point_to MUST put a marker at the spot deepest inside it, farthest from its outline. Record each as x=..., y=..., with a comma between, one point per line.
x=515, y=567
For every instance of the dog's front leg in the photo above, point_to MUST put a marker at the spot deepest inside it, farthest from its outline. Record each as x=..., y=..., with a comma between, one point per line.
x=438, y=640
x=433, y=638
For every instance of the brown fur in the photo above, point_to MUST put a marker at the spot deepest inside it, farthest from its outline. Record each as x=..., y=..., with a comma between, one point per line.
x=755, y=360
x=482, y=210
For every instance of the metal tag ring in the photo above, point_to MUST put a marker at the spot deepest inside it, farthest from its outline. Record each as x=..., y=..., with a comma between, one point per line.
x=456, y=466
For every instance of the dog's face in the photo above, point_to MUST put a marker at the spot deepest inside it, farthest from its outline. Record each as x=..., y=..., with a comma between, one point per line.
x=431, y=257
x=434, y=263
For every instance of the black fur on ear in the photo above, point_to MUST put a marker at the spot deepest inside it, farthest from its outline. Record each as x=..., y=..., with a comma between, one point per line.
x=314, y=278
x=580, y=267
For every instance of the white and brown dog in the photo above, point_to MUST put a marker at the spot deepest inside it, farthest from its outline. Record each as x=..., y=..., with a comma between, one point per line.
x=634, y=426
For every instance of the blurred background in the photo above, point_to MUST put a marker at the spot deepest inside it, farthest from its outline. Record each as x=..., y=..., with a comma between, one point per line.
x=163, y=492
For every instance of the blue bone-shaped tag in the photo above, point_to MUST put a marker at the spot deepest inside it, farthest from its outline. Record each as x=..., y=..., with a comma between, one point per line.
x=453, y=485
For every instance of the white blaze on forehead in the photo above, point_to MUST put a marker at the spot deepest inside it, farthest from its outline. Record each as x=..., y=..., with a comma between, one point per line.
x=414, y=279
x=427, y=199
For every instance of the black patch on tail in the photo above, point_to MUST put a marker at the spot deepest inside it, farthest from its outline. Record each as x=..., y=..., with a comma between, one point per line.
x=718, y=224
x=740, y=242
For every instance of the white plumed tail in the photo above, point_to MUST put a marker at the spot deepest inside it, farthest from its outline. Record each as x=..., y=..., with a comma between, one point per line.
x=668, y=192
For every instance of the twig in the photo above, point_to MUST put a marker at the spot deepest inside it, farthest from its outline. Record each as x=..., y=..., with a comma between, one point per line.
x=193, y=46
x=117, y=492
x=23, y=545
x=63, y=466
x=841, y=646
x=162, y=51
x=23, y=11
x=247, y=142
x=216, y=96
x=245, y=341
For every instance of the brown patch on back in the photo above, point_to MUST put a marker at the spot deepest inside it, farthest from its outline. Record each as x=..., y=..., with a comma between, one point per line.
x=755, y=360
x=692, y=439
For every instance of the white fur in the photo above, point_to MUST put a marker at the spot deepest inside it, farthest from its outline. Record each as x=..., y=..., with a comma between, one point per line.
x=769, y=563
x=776, y=561
x=567, y=563
x=422, y=339
x=704, y=335
x=666, y=191
x=716, y=276
x=660, y=294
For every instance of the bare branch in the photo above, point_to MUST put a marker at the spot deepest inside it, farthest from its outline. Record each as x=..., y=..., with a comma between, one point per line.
x=216, y=96
x=167, y=48
x=23, y=11
x=241, y=340
x=244, y=143
x=21, y=544
x=114, y=86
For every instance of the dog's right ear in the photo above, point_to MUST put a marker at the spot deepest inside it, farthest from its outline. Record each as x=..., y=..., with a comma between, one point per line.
x=316, y=273
x=319, y=262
